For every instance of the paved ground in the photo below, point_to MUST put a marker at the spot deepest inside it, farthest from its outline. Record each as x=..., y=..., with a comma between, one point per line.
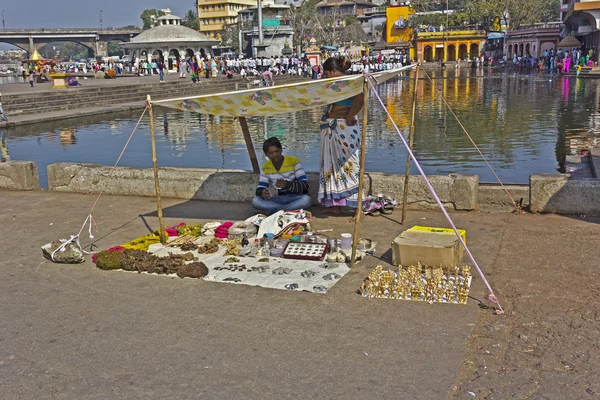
x=78, y=332
x=24, y=87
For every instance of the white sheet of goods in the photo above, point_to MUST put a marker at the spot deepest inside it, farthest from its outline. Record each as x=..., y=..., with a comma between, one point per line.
x=320, y=279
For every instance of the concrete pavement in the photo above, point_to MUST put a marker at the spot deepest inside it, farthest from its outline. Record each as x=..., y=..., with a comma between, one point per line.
x=73, y=331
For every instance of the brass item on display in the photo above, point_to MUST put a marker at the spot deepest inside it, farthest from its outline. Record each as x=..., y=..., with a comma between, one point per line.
x=418, y=283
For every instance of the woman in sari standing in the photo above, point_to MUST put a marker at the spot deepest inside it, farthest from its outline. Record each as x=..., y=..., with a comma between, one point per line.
x=340, y=144
x=193, y=72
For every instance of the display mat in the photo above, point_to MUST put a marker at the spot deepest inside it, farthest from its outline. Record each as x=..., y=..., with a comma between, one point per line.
x=277, y=273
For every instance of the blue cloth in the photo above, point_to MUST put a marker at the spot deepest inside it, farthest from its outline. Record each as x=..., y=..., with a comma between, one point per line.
x=285, y=203
x=344, y=103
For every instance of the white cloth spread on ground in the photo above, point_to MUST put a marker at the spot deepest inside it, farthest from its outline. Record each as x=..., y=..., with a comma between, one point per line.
x=282, y=273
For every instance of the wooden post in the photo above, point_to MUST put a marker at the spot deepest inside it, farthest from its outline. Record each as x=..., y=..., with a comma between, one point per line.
x=161, y=224
x=411, y=138
x=249, y=145
x=363, y=150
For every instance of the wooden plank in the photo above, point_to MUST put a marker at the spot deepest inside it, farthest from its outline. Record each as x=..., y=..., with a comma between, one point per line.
x=361, y=175
x=161, y=224
x=249, y=145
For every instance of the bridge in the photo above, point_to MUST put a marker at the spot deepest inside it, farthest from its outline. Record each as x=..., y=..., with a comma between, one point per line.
x=96, y=40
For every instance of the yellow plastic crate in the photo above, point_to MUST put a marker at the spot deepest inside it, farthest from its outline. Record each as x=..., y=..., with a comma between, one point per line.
x=444, y=231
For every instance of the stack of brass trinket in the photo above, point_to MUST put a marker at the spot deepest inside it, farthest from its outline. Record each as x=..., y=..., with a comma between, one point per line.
x=419, y=283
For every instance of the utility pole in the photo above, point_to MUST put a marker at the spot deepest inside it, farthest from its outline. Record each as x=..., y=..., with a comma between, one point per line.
x=3, y=24
x=100, y=19
x=260, y=30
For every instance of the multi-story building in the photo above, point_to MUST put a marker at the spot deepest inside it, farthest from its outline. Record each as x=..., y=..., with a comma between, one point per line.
x=214, y=14
x=373, y=22
x=339, y=9
x=277, y=30
x=582, y=20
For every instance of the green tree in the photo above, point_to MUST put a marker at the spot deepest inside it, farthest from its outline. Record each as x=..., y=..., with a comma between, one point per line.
x=526, y=12
x=64, y=50
x=149, y=17
x=305, y=22
x=114, y=49
x=231, y=37
x=191, y=20
x=352, y=32
x=484, y=13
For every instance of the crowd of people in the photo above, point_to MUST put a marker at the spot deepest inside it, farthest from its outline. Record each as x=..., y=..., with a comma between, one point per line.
x=198, y=67
x=563, y=61
x=280, y=65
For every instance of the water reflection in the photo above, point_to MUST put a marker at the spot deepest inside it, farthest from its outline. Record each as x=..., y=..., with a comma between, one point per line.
x=524, y=124
x=4, y=154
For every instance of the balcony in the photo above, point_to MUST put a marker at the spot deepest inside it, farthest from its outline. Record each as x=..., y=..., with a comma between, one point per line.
x=451, y=34
x=211, y=27
x=217, y=14
x=374, y=10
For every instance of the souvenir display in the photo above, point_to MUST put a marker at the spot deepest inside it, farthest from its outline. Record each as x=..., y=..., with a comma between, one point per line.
x=305, y=251
x=213, y=252
x=419, y=283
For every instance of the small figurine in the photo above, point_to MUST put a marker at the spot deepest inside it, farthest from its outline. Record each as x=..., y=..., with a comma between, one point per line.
x=466, y=271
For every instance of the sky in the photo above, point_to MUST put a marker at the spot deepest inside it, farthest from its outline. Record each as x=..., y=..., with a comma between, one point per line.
x=82, y=13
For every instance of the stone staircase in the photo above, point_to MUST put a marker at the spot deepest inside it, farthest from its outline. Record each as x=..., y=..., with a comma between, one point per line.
x=20, y=104
x=584, y=166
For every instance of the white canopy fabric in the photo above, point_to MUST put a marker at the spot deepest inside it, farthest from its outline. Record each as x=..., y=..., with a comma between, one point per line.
x=277, y=99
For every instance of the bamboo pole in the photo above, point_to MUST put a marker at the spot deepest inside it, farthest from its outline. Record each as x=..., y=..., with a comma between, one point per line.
x=163, y=237
x=363, y=150
x=249, y=145
x=411, y=138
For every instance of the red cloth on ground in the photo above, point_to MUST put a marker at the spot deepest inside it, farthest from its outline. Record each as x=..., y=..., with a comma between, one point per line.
x=172, y=230
x=222, y=231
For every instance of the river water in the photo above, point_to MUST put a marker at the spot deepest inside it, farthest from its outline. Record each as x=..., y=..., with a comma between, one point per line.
x=523, y=124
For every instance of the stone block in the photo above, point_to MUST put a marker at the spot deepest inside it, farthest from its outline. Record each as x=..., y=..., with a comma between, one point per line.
x=493, y=198
x=558, y=193
x=19, y=175
x=456, y=192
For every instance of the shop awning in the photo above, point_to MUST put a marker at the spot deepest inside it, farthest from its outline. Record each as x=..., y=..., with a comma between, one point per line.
x=569, y=41
x=275, y=100
x=495, y=35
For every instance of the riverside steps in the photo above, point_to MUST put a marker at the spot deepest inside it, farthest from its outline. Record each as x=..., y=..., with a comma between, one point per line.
x=43, y=103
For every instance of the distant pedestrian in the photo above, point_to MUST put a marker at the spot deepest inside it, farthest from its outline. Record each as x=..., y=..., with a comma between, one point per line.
x=31, y=77
x=182, y=69
x=161, y=70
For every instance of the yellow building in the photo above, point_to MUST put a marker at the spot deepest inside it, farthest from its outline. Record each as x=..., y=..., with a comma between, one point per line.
x=450, y=45
x=398, y=33
x=397, y=29
x=214, y=14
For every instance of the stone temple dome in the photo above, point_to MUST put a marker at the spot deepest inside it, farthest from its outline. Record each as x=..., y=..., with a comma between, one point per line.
x=170, y=30
x=169, y=40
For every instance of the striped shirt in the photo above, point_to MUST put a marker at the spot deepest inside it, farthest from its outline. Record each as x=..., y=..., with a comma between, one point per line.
x=291, y=170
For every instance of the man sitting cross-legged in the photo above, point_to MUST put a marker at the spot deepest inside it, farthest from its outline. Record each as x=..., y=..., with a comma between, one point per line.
x=287, y=175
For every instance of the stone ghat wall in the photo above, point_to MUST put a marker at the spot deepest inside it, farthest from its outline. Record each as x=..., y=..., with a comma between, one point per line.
x=457, y=192
x=554, y=193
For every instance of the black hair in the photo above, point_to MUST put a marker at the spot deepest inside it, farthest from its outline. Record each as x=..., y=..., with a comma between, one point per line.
x=335, y=63
x=272, y=141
